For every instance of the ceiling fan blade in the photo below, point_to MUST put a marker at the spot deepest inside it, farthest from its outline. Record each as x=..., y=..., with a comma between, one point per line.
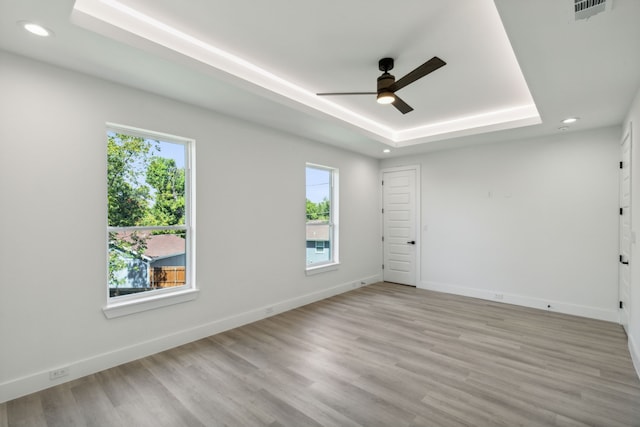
x=402, y=106
x=346, y=93
x=426, y=68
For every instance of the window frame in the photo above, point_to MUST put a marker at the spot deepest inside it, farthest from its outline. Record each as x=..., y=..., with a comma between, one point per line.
x=334, y=262
x=133, y=303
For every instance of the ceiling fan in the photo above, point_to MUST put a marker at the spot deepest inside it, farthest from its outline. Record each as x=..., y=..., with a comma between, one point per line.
x=388, y=86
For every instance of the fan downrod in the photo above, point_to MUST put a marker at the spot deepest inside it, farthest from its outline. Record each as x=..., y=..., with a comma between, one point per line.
x=385, y=64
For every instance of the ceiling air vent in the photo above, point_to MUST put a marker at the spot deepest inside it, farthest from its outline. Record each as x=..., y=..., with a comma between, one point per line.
x=585, y=9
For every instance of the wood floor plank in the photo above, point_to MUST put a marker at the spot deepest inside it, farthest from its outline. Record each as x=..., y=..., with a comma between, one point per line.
x=95, y=406
x=381, y=355
x=27, y=412
x=4, y=422
x=60, y=409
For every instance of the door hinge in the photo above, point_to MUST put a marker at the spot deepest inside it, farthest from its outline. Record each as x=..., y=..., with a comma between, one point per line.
x=621, y=305
x=383, y=238
x=383, y=182
x=623, y=262
x=383, y=266
x=620, y=165
x=382, y=210
x=621, y=211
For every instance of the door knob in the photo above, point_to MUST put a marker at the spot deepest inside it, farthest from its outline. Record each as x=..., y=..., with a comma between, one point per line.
x=413, y=242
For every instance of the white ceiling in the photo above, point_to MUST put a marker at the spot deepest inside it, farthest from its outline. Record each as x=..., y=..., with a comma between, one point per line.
x=501, y=59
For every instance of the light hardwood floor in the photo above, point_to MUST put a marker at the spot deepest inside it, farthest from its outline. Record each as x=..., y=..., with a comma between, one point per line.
x=383, y=355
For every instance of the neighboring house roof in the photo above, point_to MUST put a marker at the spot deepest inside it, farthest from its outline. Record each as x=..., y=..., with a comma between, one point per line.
x=162, y=245
x=318, y=230
x=158, y=245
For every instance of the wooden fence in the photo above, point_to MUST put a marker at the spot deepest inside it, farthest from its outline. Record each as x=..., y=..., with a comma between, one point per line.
x=167, y=277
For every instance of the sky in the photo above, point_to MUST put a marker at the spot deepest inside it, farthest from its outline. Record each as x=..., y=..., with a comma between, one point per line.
x=317, y=184
x=173, y=151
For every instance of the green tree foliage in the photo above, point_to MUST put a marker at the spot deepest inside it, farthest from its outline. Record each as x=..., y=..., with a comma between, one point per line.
x=127, y=157
x=324, y=210
x=320, y=211
x=312, y=211
x=168, y=182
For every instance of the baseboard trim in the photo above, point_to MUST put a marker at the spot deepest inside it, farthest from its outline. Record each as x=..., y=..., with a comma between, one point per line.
x=32, y=383
x=525, y=301
x=634, y=350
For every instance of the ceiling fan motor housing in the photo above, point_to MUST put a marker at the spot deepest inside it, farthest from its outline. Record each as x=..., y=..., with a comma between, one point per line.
x=384, y=81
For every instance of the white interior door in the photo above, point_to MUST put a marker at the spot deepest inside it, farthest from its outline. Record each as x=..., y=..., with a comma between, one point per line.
x=624, y=271
x=399, y=226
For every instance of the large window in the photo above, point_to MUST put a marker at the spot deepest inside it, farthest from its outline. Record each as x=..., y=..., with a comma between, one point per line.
x=149, y=215
x=322, y=217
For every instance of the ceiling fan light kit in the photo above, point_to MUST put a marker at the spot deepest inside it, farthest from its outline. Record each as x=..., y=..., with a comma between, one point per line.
x=385, y=97
x=388, y=86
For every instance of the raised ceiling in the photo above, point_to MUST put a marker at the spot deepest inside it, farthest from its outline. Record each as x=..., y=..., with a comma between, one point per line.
x=514, y=68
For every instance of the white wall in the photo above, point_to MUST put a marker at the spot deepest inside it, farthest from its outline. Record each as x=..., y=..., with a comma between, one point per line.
x=533, y=221
x=633, y=122
x=250, y=188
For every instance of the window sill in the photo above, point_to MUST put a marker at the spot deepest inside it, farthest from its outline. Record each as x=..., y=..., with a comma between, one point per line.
x=125, y=308
x=321, y=269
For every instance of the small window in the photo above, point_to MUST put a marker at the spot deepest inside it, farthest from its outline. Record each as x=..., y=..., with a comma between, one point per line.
x=322, y=216
x=149, y=215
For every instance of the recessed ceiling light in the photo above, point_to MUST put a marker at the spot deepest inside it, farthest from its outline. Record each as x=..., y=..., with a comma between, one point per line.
x=386, y=150
x=570, y=120
x=36, y=29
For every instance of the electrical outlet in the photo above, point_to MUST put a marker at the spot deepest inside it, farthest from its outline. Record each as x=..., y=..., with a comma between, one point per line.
x=498, y=296
x=58, y=373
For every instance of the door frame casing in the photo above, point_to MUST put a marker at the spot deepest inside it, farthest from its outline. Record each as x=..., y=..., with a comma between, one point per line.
x=418, y=217
x=627, y=135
